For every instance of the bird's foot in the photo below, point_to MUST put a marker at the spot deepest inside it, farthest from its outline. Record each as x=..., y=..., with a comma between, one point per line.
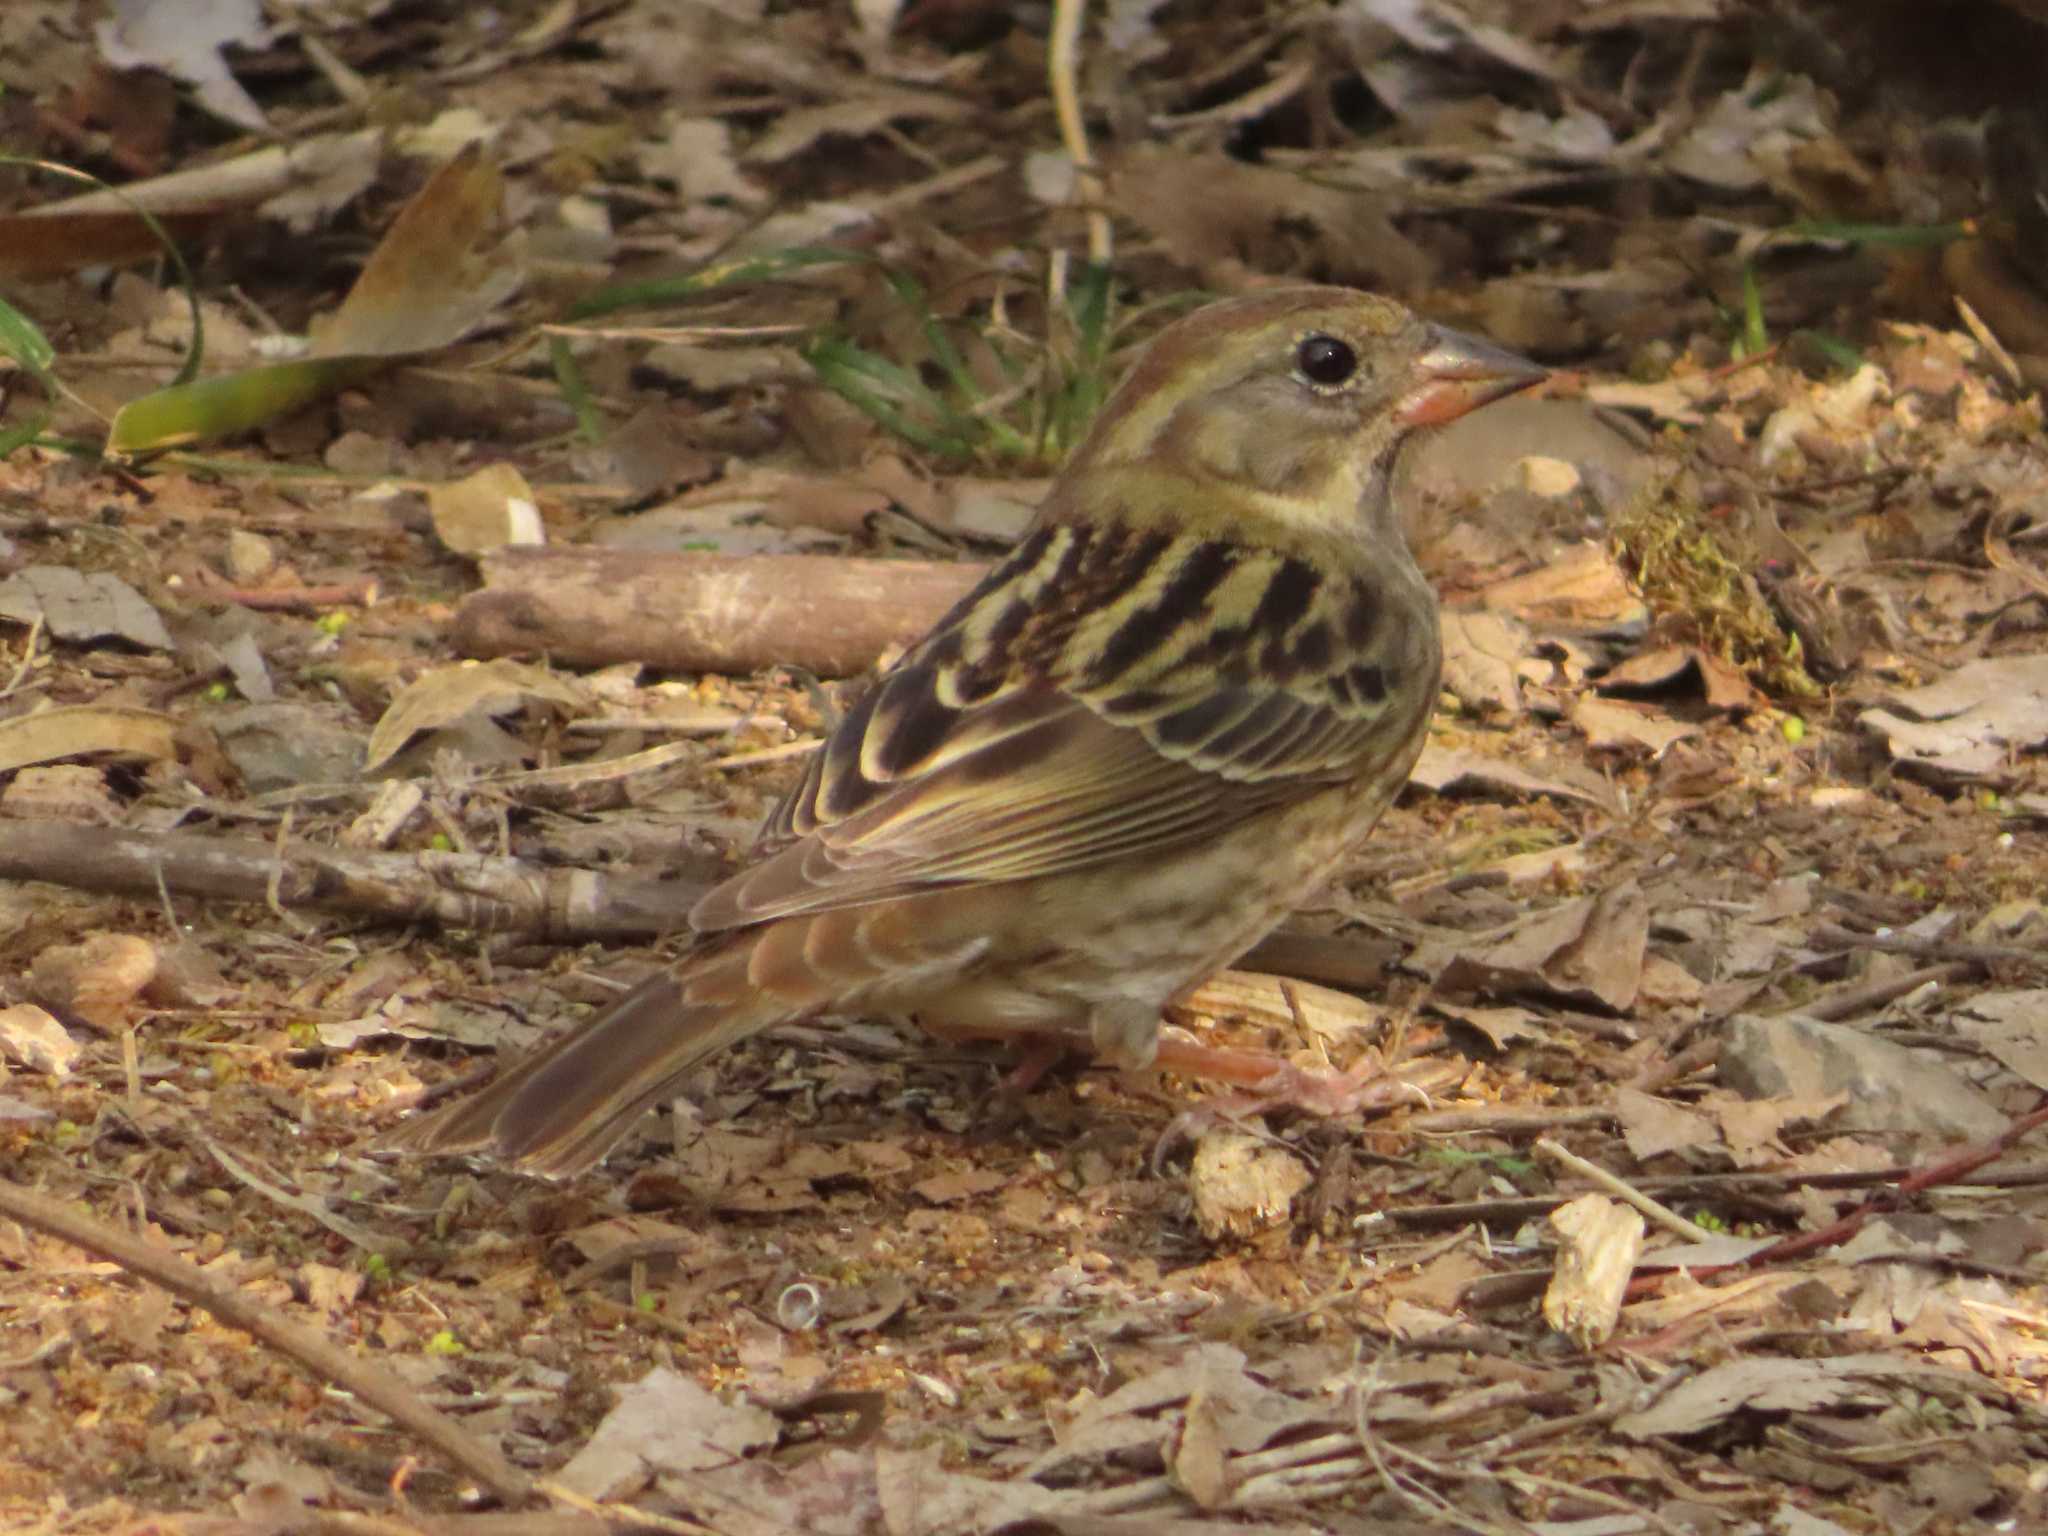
x=1036, y=1056
x=1266, y=1082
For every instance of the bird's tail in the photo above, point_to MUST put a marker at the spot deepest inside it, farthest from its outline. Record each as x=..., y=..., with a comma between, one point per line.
x=563, y=1108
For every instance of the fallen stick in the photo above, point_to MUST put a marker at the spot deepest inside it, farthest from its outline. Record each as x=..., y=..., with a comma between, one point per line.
x=439, y=890
x=468, y=891
x=828, y=615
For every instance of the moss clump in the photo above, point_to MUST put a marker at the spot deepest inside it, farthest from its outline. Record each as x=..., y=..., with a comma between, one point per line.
x=1696, y=570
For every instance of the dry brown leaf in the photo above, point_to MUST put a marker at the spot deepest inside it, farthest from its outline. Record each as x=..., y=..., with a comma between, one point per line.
x=448, y=694
x=98, y=980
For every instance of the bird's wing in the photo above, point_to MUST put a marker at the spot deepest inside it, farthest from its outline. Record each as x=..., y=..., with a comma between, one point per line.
x=1100, y=695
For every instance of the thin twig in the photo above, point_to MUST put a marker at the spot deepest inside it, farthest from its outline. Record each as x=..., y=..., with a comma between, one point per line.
x=1663, y=1215
x=1950, y=1170
x=1850, y=1001
x=340, y=594
x=1834, y=936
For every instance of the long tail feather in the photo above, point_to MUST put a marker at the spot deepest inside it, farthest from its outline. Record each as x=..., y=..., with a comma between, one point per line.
x=563, y=1108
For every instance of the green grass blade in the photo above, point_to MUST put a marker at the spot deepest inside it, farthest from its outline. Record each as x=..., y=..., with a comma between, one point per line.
x=576, y=390
x=672, y=290
x=189, y=369
x=1756, y=336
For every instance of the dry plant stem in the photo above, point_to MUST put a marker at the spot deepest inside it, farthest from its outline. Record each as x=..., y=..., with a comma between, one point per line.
x=1663, y=1215
x=705, y=613
x=447, y=890
x=1504, y=1119
x=1467, y=1213
x=370, y=1382
x=1063, y=72
x=1677, y=1068
x=1974, y=322
x=625, y=1516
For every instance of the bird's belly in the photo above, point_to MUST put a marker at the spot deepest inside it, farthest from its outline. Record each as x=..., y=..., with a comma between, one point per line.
x=1133, y=934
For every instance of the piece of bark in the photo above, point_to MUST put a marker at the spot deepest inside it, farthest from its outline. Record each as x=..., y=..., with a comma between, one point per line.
x=830, y=616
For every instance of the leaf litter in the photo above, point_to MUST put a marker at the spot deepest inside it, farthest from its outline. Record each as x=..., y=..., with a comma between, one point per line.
x=1723, y=868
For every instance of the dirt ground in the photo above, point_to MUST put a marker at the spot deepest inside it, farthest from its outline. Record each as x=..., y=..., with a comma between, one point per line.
x=1707, y=943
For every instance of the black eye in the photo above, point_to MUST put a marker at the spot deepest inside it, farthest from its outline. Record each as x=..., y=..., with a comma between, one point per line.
x=1325, y=360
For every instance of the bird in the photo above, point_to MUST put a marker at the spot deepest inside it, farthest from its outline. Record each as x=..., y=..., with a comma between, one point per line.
x=1156, y=727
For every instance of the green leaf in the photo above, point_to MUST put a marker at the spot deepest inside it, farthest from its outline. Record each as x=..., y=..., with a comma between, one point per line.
x=231, y=403
x=1831, y=347
x=23, y=340
x=888, y=392
x=24, y=434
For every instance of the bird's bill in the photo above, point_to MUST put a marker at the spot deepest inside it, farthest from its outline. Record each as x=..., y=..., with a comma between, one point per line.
x=1458, y=373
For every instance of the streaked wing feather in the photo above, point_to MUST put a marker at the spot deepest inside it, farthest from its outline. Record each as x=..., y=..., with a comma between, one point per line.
x=945, y=774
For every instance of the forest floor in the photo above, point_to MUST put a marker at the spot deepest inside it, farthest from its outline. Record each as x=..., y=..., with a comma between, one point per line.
x=1716, y=908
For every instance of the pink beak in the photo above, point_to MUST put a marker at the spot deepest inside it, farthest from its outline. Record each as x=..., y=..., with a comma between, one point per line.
x=1458, y=373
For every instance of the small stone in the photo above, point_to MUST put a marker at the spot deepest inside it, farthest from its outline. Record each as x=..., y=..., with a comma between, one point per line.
x=1551, y=479
x=487, y=510
x=358, y=453
x=250, y=557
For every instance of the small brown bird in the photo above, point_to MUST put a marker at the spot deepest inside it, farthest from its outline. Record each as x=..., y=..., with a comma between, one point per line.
x=1154, y=729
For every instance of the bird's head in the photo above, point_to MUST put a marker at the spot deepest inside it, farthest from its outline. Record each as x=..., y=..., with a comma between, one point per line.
x=1300, y=397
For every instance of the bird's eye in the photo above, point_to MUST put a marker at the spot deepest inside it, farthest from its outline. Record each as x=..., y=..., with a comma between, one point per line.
x=1325, y=360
